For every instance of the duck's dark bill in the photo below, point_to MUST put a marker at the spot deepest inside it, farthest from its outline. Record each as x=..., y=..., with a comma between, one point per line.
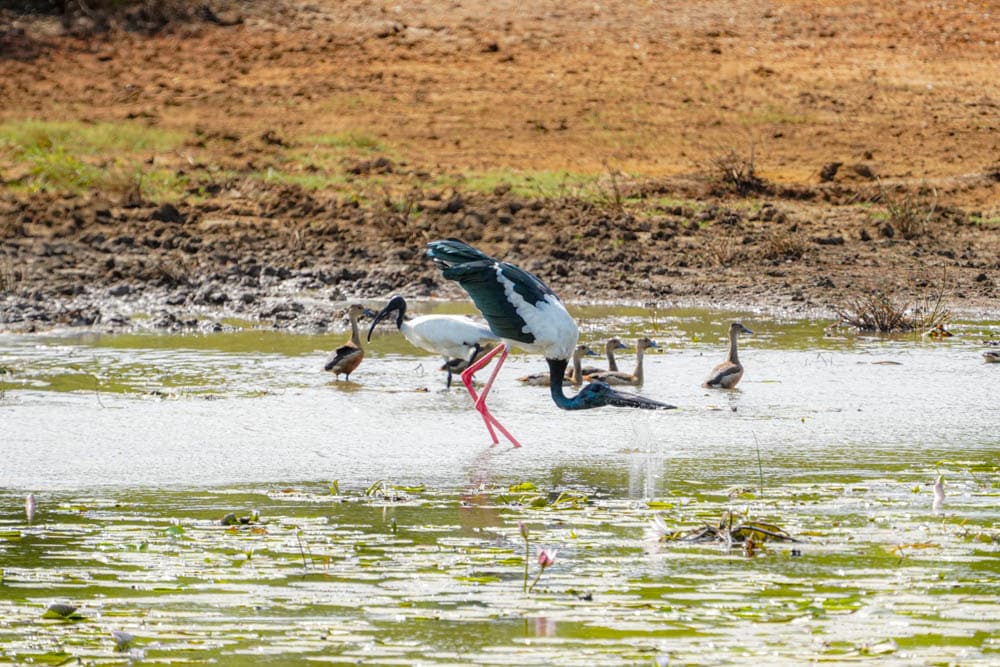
x=623, y=399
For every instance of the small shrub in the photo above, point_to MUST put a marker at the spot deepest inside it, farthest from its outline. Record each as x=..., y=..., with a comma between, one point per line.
x=731, y=171
x=908, y=214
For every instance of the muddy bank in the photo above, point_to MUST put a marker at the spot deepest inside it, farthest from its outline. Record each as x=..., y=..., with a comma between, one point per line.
x=287, y=258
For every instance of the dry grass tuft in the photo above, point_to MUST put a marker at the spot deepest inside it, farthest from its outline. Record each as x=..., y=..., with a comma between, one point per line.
x=783, y=244
x=731, y=171
x=880, y=313
x=909, y=214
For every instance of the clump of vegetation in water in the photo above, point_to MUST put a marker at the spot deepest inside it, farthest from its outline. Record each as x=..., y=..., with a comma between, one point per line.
x=880, y=313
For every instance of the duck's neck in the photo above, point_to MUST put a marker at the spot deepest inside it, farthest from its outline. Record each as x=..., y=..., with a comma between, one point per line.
x=576, y=377
x=557, y=368
x=732, y=348
x=612, y=364
x=355, y=335
x=638, y=364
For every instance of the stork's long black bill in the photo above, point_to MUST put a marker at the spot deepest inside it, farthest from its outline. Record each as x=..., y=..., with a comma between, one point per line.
x=623, y=399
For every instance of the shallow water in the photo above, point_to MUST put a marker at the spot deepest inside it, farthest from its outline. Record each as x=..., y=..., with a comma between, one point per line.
x=137, y=445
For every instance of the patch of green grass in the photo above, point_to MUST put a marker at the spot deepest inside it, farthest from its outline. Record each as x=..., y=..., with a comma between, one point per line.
x=67, y=156
x=37, y=136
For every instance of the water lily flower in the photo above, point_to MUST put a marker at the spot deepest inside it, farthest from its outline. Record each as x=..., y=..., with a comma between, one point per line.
x=29, y=507
x=938, y=493
x=546, y=559
x=122, y=639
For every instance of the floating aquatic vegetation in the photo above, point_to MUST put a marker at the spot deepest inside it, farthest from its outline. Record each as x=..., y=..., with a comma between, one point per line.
x=729, y=530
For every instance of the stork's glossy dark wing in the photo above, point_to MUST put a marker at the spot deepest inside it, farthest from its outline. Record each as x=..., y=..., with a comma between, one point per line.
x=487, y=281
x=480, y=280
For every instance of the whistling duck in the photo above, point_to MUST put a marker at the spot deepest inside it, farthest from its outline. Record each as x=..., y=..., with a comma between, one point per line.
x=574, y=376
x=618, y=377
x=348, y=356
x=991, y=356
x=609, y=349
x=729, y=372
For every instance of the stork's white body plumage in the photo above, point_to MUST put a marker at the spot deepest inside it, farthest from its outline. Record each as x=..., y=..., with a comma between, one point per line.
x=555, y=331
x=451, y=336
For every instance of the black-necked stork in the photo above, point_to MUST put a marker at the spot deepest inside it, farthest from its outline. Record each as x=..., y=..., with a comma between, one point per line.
x=451, y=336
x=573, y=377
x=348, y=356
x=634, y=378
x=729, y=372
x=522, y=311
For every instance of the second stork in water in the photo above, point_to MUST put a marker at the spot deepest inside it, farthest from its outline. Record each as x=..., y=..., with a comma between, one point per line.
x=634, y=378
x=522, y=311
x=729, y=372
x=451, y=336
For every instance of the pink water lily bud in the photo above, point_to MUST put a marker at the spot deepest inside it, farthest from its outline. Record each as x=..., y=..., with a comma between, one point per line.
x=523, y=529
x=29, y=507
x=547, y=558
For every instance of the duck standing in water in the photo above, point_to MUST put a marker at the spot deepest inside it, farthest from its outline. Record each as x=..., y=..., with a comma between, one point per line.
x=727, y=374
x=523, y=311
x=618, y=377
x=609, y=349
x=573, y=377
x=451, y=336
x=348, y=356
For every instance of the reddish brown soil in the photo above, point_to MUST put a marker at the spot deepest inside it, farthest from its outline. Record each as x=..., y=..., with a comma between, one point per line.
x=903, y=95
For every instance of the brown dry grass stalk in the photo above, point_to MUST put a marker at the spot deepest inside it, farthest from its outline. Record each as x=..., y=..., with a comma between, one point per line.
x=879, y=313
x=732, y=171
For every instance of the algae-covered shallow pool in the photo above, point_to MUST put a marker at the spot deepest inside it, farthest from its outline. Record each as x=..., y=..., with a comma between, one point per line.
x=220, y=499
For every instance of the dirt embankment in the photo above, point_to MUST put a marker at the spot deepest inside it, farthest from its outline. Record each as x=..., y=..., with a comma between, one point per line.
x=873, y=130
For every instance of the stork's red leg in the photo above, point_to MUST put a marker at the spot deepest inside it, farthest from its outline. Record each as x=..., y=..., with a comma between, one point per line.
x=467, y=381
x=479, y=401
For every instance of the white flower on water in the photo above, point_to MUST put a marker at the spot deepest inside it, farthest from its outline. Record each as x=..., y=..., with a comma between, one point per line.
x=29, y=507
x=938, y=493
x=122, y=639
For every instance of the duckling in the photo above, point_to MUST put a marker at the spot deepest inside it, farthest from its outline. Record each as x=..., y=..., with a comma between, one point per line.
x=727, y=374
x=618, y=377
x=609, y=348
x=574, y=378
x=348, y=356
